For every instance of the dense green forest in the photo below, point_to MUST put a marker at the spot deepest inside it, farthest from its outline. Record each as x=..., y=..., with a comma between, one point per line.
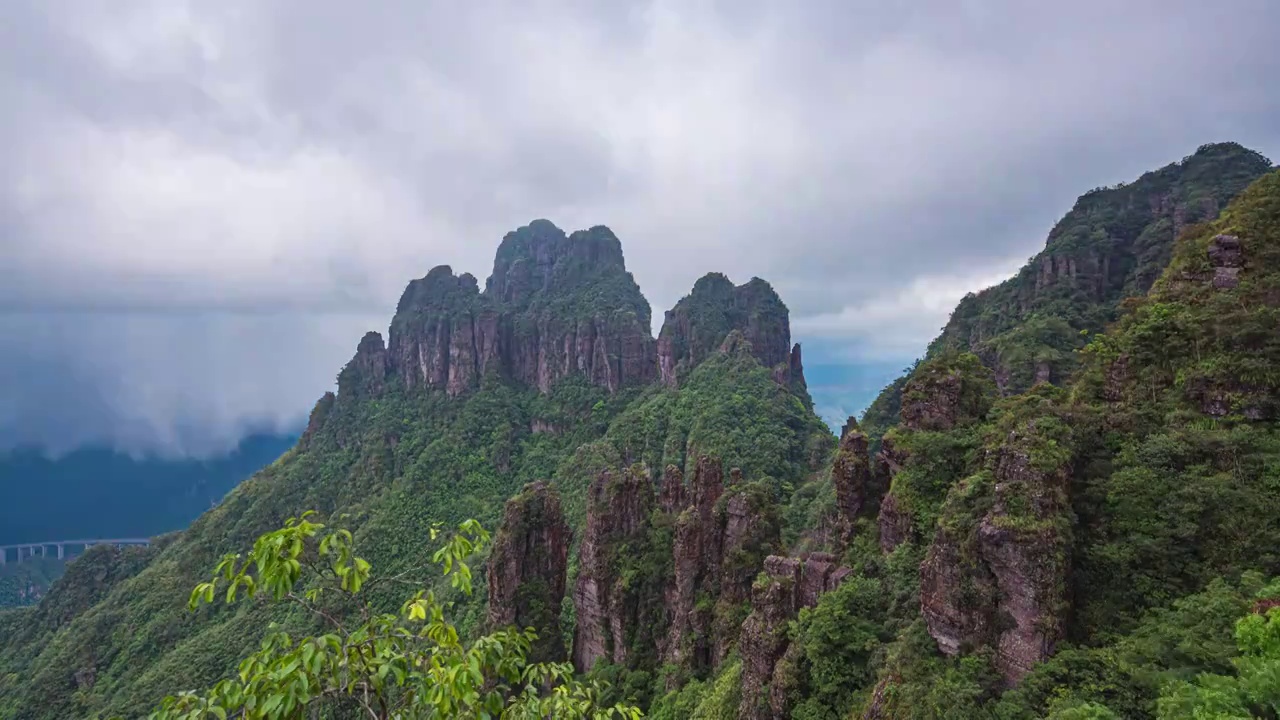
x=1070, y=508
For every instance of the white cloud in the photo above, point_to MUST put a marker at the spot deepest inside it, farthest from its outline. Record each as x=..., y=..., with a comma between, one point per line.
x=900, y=323
x=211, y=227
x=308, y=157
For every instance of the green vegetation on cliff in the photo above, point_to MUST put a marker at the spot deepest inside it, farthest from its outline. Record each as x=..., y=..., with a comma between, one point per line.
x=986, y=545
x=549, y=373
x=1112, y=245
x=1098, y=550
x=1092, y=542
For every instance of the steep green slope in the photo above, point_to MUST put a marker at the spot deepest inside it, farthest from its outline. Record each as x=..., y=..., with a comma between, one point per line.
x=550, y=372
x=1112, y=245
x=990, y=550
x=1064, y=541
x=1049, y=552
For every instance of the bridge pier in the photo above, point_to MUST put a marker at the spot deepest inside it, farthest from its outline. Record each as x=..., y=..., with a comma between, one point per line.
x=27, y=551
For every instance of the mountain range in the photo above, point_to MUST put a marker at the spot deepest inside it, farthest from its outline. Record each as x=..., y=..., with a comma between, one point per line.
x=1063, y=510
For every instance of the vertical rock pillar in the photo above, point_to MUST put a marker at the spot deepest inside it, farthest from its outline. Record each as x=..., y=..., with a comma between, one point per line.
x=527, y=569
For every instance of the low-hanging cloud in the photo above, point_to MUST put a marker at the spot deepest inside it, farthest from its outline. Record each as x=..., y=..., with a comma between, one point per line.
x=203, y=204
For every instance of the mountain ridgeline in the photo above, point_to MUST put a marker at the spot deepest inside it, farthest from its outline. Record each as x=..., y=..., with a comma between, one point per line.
x=1112, y=245
x=1064, y=510
x=549, y=373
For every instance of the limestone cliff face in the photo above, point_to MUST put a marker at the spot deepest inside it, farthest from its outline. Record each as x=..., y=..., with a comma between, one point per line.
x=858, y=489
x=366, y=373
x=941, y=395
x=893, y=520
x=444, y=334
x=695, y=557
x=957, y=593
x=554, y=306
x=618, y=512
x=998, y=578
x=673, y=496
x=560, y=305
x=527, y=569
x=689, y=553
x=788, y=585
x=747, y=530
x=1025, y=540
x=722, y=535
x=700, y=322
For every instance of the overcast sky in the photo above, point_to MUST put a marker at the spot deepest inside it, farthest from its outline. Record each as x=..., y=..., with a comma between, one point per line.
x=204, y=204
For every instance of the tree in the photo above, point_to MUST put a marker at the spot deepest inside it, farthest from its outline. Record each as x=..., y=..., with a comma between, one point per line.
x=1254, y=691
x=410, y=665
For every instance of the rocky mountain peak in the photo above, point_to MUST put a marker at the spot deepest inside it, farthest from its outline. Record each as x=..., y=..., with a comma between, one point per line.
x=556, y=305
x=438, y=290
x=539, y=262
x=366, y=373
x=704, y=319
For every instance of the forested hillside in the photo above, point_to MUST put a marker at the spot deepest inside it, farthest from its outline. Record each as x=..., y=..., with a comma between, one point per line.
x=997, y=539
x=1112, y=245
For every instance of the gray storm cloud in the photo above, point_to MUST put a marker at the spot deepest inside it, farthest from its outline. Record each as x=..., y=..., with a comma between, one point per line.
x=203, y=204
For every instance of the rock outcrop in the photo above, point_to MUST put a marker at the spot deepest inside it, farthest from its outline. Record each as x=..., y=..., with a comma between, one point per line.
x=1000, y=579
x=941, y=395
x=366, y=373
x=554, y=306
x=319, y=416
x=933, y=399
x=722, y=535
x=669, y=571
x=787, y=585
x=618, y=515
x=1025, y=540
x=1226, y=257
x=700, y=322
x=957, y=593
x=672, y=494
x=878, y=706
x=694, y=557
x=791, y=373
x=894, y=523
x=527, y=569
x=747, y=529
x=857, y=489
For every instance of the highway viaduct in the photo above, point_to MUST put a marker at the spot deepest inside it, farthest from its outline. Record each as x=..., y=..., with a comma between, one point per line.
x=26, y=551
